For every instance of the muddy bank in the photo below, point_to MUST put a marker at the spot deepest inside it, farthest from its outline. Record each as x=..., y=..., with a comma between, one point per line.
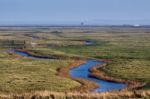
x=86, y=85
x=82, y=72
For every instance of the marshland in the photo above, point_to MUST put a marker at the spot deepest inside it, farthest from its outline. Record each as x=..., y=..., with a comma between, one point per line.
x=52, y=62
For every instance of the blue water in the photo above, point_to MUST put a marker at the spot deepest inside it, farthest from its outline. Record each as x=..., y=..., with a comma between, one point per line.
x=25, y=54
x=82, y=72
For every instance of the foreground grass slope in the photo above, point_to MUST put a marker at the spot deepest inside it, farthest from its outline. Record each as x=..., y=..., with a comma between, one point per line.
x=19, y=74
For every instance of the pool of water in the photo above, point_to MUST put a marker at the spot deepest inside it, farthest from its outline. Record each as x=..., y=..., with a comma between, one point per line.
x=82, y=72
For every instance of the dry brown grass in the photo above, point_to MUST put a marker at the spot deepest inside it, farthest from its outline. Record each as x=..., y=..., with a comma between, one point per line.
x=72, y=95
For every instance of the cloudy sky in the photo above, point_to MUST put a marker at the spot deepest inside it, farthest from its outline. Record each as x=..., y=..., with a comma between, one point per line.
x=74, y=11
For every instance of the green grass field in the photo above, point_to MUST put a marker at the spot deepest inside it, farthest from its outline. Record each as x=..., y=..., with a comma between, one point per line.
x=127, y=47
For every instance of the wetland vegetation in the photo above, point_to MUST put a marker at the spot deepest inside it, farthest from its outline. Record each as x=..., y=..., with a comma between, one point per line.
x=126, y=47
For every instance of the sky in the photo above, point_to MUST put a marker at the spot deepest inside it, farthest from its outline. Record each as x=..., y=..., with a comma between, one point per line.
x=74, y=11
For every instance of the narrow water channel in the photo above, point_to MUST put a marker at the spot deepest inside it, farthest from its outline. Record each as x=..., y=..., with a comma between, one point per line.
x=25, y=54
x=82, y=72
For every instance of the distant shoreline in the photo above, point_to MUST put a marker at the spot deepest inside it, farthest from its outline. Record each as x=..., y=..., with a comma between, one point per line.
x=76, y=26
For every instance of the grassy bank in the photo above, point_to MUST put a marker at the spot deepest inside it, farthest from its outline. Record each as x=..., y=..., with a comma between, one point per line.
x=136, y=69
x=129, y=69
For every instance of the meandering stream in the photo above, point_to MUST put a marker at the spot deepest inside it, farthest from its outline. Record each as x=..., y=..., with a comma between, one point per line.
x=82, y=72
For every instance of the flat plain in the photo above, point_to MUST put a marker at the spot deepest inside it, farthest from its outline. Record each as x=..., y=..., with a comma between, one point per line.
x=127, y=47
